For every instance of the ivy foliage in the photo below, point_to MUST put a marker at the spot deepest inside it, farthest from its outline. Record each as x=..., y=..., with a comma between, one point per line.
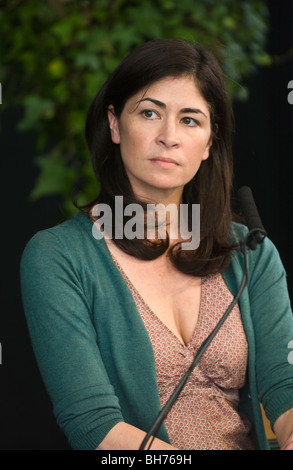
x=56, y=54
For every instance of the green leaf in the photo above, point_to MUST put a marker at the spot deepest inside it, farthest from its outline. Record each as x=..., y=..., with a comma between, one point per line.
x=54, y=177
x=57, y=68
x=36, y=109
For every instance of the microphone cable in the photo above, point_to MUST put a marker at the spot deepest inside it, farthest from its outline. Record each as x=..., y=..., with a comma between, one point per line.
x=172, y=399
x=255, y=236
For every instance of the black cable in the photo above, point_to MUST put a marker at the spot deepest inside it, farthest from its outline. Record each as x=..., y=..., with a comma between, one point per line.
x=167, y=407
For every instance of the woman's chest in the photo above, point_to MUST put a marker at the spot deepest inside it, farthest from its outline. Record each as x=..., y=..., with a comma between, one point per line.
x=172, y=296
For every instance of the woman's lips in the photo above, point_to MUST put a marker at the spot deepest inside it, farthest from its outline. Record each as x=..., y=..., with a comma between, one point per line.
x=164, y=162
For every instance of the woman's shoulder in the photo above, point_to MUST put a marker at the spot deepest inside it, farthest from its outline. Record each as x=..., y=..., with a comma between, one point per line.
x=69, y=236
x=71, y=228
x=239, y=232
x=266, y=253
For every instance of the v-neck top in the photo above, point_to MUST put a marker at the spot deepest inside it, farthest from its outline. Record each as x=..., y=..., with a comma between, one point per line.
x=205, y=416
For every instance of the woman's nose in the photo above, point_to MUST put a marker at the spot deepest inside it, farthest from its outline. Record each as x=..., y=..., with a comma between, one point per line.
x=168, y=135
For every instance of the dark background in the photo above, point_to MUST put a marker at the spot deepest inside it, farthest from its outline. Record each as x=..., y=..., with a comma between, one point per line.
x=263, y=154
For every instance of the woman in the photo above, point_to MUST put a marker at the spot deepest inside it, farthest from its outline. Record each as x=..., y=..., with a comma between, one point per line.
x=115, y=320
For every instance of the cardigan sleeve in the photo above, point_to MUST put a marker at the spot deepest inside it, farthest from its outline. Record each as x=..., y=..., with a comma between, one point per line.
x=64, y=341
x=273, y=327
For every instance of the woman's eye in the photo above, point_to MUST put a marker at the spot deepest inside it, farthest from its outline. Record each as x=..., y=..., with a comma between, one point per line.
x=189, y=122
x=149, y=114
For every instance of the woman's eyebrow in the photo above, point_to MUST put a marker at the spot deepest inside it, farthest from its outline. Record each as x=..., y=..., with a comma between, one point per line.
x=157, y=102
x=183, y=110
x=193, y=110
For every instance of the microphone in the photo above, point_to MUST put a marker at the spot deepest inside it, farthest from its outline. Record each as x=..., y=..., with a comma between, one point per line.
x=257, y=232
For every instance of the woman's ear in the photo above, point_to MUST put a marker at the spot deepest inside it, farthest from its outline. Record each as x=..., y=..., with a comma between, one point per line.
x=206, y=153
x=114, y=125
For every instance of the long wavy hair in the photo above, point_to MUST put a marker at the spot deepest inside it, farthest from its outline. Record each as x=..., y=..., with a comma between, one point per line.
x=210, y=187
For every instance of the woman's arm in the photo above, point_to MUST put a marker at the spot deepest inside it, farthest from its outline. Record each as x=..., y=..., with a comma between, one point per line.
x=123, y=436
x=284, y=430
x=273, y=328
x=59, y=319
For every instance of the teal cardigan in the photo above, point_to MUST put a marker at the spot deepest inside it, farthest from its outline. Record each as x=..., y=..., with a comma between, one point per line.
x=94, y=352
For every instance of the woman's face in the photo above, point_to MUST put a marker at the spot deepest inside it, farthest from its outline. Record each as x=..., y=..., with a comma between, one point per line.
x=164, y=134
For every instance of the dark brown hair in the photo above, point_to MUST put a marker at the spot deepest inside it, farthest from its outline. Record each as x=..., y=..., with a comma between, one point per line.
x=210, y=187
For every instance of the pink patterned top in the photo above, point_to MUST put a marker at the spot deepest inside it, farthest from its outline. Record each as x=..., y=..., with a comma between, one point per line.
x=205, y=415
